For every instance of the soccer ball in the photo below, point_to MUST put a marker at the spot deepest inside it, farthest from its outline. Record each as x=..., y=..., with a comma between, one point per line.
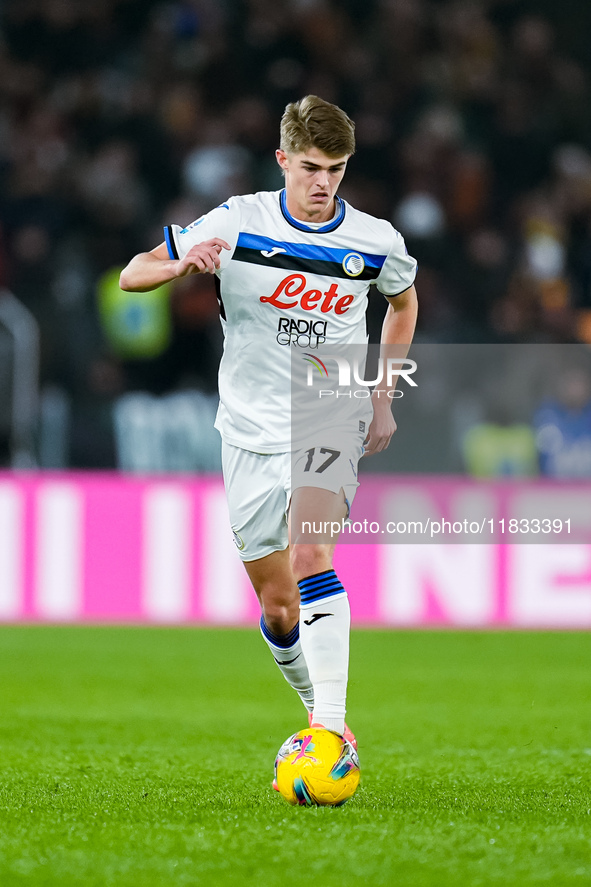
x=316, y=767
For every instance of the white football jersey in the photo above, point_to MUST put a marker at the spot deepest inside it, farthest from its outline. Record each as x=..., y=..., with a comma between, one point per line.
x=284, y=285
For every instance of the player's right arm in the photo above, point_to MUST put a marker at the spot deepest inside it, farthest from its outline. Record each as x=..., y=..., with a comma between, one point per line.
x=146, y=271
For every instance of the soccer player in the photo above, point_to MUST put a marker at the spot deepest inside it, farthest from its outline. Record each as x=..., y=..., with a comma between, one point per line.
x=293, y=270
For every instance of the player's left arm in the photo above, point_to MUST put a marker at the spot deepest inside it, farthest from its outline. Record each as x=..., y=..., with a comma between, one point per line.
x=397, y=334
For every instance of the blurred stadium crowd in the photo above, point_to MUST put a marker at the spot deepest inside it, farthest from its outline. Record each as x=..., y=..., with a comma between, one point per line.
x=117, y=116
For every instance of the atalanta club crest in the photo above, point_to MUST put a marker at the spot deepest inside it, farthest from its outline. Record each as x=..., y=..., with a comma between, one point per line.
x=353, y=264
x=238, y=540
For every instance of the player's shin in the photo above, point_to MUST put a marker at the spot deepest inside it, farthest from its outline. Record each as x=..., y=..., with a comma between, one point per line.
x=325, y=621
x=287, y=653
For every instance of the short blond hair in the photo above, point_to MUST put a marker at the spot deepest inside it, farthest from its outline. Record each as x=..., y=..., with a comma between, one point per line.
x=314, y=123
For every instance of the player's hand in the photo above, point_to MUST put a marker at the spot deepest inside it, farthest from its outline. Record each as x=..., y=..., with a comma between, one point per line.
x=382, y=427
x=203, y=258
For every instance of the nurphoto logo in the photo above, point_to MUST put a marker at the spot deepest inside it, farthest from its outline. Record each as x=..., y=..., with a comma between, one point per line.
x=389, y=369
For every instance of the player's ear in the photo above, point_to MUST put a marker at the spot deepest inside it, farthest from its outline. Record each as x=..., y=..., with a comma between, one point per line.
x=281, y=158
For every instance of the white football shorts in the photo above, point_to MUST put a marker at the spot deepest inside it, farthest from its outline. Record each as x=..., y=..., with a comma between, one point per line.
x=259, y=486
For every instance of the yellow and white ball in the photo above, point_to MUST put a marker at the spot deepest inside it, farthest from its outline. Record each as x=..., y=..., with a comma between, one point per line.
x=317, y=767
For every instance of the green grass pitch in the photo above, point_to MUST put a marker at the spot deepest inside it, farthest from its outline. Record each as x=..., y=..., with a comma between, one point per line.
x=144, y=757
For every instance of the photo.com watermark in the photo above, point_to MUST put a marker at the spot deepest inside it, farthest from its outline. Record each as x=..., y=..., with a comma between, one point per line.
x=433, y=528
x=389, y=370
x=467, y=464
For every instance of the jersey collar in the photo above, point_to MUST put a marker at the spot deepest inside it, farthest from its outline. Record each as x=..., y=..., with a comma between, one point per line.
x=301, y=226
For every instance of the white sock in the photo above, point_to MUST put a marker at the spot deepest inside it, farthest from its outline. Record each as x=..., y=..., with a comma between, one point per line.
x=325, y=621
x=289, y=656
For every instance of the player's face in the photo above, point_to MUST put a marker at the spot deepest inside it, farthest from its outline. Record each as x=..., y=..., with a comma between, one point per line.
x=311, y=182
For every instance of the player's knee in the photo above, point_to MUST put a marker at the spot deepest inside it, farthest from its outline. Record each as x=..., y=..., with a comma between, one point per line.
x=280, y=606
x=281, y=618
x=307, y=560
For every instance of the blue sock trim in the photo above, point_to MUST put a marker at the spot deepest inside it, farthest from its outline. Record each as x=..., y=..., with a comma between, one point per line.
x=285, y=641
x=322, y=585
x=310, y=580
